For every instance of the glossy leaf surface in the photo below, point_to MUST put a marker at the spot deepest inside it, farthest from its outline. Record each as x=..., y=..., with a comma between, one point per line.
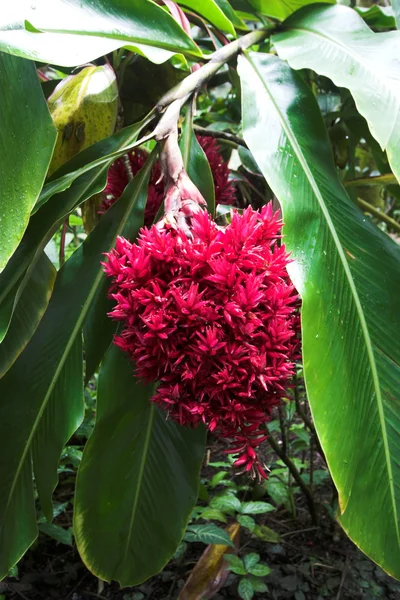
x=348, y=274
x=84, y=109
x=211, y=12
x=80, y=178
x=73, y=32
x=281, y=9
x=29, y=311
x=377, y=16
x=334, y=41
x=27, y=137
x=39, y=423
x=231, y=14
x=138, y=480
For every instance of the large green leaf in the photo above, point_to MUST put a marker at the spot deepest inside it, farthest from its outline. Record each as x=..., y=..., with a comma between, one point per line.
x=396, y=10
x=196, y=163
x=211, y=12
x=74, y=32
x=27, y=138
x=378, y=16
x=74, y=185
x=334, y=41
x=100, y=154
x=42, y=394
x=280, y=9
x=348, y=274
x=138, y=480
x=231, y=14
x=28, y=313
x=98, y=330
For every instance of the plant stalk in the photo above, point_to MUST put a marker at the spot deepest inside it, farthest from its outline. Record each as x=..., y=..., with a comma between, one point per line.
x=378, y=214
x=194, y=81
x=220, y=135
x=296, y=476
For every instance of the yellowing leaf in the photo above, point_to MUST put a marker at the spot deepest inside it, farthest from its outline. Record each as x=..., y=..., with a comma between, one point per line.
x=84, y=110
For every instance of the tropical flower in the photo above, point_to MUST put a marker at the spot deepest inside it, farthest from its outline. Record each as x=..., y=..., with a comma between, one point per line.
x=118, y=178
x=211, y=318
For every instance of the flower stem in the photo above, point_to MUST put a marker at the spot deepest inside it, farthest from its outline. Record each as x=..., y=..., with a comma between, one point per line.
x=176, y=97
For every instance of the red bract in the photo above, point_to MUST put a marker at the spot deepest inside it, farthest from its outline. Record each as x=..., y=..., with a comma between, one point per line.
x=118, y=179
x=212, y=319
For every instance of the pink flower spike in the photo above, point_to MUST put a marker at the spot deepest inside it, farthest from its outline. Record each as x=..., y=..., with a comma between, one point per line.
x=213, y=319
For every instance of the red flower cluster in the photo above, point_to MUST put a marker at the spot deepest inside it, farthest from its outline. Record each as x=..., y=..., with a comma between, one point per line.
x=118, y=179
x=213, y=320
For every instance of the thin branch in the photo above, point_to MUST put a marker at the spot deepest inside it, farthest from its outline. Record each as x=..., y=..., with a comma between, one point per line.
x=302, y=414
x=343, y=578
x=296, y=476
x=220, y=135
x=196, y=80
x=62, y=242
x=386, y=179
x=308, y=423
x=378, y=214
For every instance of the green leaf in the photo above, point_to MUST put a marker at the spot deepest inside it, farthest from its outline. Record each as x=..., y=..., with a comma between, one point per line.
x=98, y=330
x=377, y=16
x=217, y=478
x=75, y=184
x=213, y=514
x=37, y=424
x=64, y=536
x=259, y=570
x=245, y=589
x=248, y=161
x=255, y=508
x=280, y=10
x=213, y=13
x=210, y=534
x=258, y=585
x=231, y=14
x=27, y=138
x=235, y=564
x=266, y=534
x=334, y=41
x=251, y=559
x=196, y=163
x=78, y=32
x=396, y=10
x=100, y=154
x=247, y=522
x=348, y=274
x=138, y=480
x=29, y=311
x=227, y=503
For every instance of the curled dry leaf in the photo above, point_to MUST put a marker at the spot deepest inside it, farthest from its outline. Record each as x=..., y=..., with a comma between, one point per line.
x=211, y=571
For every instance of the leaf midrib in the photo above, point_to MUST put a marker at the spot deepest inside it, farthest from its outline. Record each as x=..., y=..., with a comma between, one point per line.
x=139, y=478
x=292, y=139
x=72, y=338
